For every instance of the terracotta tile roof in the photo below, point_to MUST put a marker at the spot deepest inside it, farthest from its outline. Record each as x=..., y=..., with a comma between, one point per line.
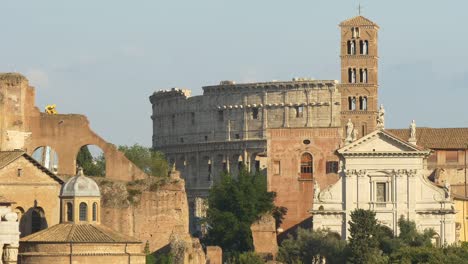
x=436, y=138
x=79, y=233
x=358, y=21
x=7, y=157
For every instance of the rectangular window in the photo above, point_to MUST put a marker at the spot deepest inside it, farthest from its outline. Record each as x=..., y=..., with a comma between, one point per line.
x=332, y=167
x=254, y=113
x=299, y=111
x=173, y=121
x=193, y=118
x=237, y=136
x=276, y=167
x=220, y=116
x=451, y=156
x=381, y=192
x=206, y=138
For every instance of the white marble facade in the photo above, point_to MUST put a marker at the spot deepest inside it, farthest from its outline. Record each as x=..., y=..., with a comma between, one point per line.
x=383, y=173
x=9, y=233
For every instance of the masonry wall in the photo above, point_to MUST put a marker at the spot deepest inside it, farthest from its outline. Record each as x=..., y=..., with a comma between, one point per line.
x=154, y=218
x=225, y=128
x=285, y=147
x=23, y=126
x=33, y=189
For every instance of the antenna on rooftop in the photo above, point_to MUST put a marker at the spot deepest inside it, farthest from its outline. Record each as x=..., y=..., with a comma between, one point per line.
x=359, y=8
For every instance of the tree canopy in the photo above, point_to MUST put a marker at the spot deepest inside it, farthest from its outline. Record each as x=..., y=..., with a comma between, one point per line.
x=91, y=166
x=370, y=242
x=234, y=203
x=148, y=160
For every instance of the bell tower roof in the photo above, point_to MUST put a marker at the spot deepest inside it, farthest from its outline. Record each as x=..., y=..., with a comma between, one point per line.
x=358, y=21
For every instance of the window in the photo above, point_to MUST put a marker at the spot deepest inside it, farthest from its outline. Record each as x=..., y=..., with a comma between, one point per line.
x=332, y=167
x=237, y=136
x=220, y=116
x=306, y=166
x=351, y=75
x=254, y=113
x=348, y=45
x=365, y=47
x=94, y=211
x=363, y=103
x=173, y=121
x=225, y=169
x=299, y=111
x=352, y=103
x=192, y=117
x=363, y=75
x=83, y=212
x=206, y=138
x=69, y=212
x=364, y=129
x=181, y=140
x=451, y=156
x=276, y=167
x=381, y=193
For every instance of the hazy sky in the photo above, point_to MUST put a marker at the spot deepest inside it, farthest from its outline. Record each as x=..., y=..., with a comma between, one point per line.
x=104, y=58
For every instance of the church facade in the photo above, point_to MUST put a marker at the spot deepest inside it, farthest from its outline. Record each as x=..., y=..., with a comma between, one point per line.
x=387, y=175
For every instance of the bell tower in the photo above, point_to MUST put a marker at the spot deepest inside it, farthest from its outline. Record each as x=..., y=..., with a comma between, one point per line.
x=359, y=74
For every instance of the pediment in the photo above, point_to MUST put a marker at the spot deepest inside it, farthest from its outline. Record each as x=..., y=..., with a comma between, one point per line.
x=381, y=142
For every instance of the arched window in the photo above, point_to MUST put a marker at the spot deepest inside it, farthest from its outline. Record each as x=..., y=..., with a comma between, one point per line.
x=94, y=211
x=361, y=47
x=353, y=47
x=365, y=47
x=352, y=103
x=37, y=216
x=69, y=212
x=364, y=103
x=348, y=45
x=306, y=166
x=83, y=212
x=364, y=76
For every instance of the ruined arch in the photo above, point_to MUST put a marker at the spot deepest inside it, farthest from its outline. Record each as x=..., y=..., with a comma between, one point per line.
x=47, y=157
x=92, y=159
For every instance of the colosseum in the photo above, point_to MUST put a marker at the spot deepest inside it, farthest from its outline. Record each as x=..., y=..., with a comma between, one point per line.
x=226, y=127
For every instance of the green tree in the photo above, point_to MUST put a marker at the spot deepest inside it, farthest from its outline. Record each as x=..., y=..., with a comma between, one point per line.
x=309, y=246
x=91, y=166
x=363, y=241
x=233, y=205
x=151, y=162
x=410, y=236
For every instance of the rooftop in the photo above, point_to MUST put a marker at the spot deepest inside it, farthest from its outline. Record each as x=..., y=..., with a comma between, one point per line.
x=358, y=21
x=79, y=233
x=436, y=138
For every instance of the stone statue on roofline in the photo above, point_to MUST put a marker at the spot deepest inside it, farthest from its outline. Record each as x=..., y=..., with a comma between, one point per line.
x=381, y=117
x=412, y=138
x=349, y=132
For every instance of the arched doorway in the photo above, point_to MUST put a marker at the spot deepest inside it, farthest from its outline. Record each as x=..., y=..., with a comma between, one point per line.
x=37, y=220
x=47, y=157
x=91, y=158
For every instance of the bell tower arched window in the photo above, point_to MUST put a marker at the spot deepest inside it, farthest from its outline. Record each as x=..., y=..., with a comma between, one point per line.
x=351, y=103
x=352, y=75
x=307, y=166
x=83, y=212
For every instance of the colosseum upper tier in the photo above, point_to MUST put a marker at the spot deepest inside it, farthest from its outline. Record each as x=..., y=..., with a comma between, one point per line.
x=225, y=127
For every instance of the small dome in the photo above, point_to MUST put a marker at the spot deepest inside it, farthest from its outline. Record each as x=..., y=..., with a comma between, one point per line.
x=80, y=185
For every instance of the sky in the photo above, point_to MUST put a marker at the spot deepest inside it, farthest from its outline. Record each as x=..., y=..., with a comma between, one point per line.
x=105, y=58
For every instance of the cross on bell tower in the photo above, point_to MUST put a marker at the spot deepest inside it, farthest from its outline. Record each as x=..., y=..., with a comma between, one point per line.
x=359, y=72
